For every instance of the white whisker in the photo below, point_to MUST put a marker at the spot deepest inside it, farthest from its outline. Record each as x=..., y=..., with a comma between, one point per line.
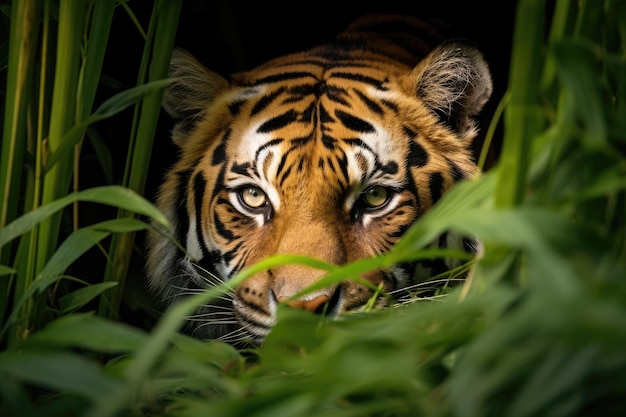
x=239, y=335
x=210, y=316
x=408, y=300
x=435, y=283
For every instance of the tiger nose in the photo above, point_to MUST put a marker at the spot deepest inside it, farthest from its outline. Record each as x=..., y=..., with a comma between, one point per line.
x=315, y=305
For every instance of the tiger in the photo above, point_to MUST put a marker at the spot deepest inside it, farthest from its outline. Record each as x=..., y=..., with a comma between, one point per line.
x=331, y=153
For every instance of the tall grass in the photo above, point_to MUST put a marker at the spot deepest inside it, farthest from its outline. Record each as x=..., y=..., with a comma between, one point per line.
x=51, y=89
x=539, y=330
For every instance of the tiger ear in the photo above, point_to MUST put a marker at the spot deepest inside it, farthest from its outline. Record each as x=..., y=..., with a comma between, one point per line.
x=191, y=91
x=455, y=83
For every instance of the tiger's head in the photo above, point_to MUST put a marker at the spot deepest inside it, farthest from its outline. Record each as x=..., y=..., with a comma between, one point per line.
x=330, y=153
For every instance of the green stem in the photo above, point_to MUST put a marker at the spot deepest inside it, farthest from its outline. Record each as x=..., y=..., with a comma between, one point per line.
x=523, y=116
x=159, y=45
x=22, y=46
x=21, y=53
x=56, y=181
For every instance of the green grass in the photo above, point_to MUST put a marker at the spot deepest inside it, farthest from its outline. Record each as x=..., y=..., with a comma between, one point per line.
x=539, y=330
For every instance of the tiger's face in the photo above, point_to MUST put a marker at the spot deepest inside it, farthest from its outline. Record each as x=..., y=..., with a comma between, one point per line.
x=327, y=155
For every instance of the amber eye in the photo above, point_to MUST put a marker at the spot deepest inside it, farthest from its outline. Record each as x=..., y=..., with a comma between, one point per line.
x=252, y=197
x=375, y=197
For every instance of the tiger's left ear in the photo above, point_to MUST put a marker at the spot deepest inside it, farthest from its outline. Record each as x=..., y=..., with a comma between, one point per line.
x=455, y=83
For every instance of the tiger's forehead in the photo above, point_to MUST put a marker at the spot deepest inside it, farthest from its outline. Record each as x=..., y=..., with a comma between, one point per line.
x=318, y=127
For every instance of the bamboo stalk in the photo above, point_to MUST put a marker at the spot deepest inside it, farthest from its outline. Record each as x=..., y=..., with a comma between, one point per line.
x=21, y=53
x=159, y=45
x=100, y=27
x=24, y=32
x=62, y=116
x=523, y=116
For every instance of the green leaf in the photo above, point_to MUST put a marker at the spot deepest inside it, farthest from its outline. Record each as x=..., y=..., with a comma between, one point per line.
x=611, y=180
x=216, y=352
x=6, y=270
x=469, y=194
x=112, y=195
x=70, y=250
x=60, y=372
x=87, y=331
x=82, y=296
x=109, y=108
x=15, y=398
x=577, y=66
x=102, y=154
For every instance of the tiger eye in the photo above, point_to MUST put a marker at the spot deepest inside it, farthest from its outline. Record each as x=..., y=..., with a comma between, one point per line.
x=253, y=197
x=375, y=197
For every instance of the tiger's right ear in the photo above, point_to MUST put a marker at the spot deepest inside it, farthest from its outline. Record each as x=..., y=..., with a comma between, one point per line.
x=192, y=90
x=455, y=83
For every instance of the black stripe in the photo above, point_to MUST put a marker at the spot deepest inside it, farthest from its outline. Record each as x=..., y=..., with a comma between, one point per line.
x=283, y=76
x=390, y=105
x=343, y=165
x=400, y=231
x=325, y=117
x=297, y=142
x=285, y=175
x=354, y=123
x=409, y=132
x=308, y=113
x=241, y=169
x=418, y=157
x=372, y=105
x=389, y=168
x=291, y=100
x=266, y=101
x=329, y=142
x=269, y=144
x=359, y=143
x=435, y=183
x=281, y=165
x=457, y=173
x=330, y=164
x=221, y=229
x=199, y=187
x=180, y=200
x=218, y=185
x=305, y=89
x=278, y=122
x=219, y=154
x=469, y=245
x=337, y=98
x=358, y=77
x=235, y=107
x=228, y=256
x=208, y=266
